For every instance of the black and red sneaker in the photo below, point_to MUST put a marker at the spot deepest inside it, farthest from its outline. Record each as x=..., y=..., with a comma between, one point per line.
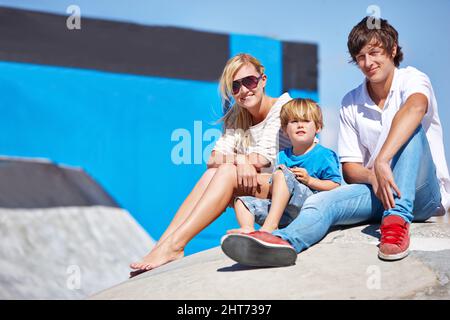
x=259, y=249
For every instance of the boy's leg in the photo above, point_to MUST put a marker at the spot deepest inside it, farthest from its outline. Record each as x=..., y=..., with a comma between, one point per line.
x=244, y=217
x=279, y=201
x=292, y=196
x=299, y=193
x=256, y=207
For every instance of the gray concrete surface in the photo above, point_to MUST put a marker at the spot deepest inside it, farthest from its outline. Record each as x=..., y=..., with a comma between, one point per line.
x=66, y=252
x=344, y=265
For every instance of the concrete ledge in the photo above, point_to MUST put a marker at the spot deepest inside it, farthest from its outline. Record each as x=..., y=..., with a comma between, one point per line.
x=344, y=265
x=66, y=252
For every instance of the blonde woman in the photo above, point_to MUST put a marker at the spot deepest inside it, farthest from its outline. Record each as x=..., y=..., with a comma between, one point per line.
x=241, y=162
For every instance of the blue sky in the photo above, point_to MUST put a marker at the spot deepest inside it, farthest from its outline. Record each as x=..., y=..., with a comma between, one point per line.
x=423, y=27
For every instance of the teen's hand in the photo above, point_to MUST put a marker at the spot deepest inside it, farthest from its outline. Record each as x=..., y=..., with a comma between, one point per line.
x=246, y=178
x=384, y=184
x=302, y=175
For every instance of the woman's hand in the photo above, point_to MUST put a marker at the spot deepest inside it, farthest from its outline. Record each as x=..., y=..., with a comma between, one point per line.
x=302, y=175
x=246, y=176
x=383, y=183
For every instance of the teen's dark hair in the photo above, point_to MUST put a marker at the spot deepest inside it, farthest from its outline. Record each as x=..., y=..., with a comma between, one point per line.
x=379, y=30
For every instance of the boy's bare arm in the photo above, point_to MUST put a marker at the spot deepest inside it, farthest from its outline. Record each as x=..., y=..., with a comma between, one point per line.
x=322, y=185
x=313, y=183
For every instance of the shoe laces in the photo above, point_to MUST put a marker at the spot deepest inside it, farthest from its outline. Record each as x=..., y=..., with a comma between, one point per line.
x=393, y=233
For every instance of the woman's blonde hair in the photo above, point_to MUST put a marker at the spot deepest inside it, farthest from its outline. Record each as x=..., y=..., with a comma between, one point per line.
x=301, y=109
x=236, y=117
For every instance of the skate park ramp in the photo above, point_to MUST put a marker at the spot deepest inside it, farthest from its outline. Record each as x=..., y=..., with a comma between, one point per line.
x=62, y=236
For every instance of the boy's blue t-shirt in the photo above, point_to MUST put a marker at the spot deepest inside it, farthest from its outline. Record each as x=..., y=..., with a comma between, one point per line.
x=320, y=162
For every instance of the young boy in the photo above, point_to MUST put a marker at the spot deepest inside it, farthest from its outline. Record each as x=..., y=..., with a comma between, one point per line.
x=302, y=170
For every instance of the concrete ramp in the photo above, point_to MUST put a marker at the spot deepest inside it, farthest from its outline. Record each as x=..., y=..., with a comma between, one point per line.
x=66, y=252
x=61, y=235
x=343, y=266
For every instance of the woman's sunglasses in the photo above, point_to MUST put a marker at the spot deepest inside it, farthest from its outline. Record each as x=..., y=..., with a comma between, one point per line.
x=250, y=82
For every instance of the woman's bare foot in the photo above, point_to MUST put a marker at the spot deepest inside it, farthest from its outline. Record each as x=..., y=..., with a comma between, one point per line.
x=241, y=230
x=161, y=254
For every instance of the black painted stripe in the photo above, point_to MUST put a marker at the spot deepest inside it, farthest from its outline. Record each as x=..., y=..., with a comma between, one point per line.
x=300, y=66
x=43, y=38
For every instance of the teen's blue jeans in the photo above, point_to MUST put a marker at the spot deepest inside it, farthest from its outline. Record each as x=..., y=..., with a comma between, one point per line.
x=415, y=175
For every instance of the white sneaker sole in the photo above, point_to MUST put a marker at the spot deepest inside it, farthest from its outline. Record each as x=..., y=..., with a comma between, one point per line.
x=393, y=257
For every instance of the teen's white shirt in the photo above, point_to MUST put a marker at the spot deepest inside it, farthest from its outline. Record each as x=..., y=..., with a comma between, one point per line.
x=266, y=137
x=364, y=127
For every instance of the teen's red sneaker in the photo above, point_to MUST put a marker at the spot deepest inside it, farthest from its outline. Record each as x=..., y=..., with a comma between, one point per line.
x=394, y=238
x=259, y=249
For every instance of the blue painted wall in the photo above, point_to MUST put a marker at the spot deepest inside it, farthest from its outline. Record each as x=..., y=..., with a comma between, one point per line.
x=145, y=139
x=268, y=52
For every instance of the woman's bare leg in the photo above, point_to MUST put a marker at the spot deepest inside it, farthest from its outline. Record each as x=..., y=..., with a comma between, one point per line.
x=213, y=202
x=186, y=207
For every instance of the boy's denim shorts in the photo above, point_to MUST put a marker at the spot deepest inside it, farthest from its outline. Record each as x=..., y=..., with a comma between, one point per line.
x=260, y=207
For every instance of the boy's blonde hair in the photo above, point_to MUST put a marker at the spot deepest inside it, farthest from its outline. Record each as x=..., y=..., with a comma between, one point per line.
x=301, y=109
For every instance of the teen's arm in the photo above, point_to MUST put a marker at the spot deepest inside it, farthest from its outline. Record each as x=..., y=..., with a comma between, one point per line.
x=405, y=122
x=355, y=172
